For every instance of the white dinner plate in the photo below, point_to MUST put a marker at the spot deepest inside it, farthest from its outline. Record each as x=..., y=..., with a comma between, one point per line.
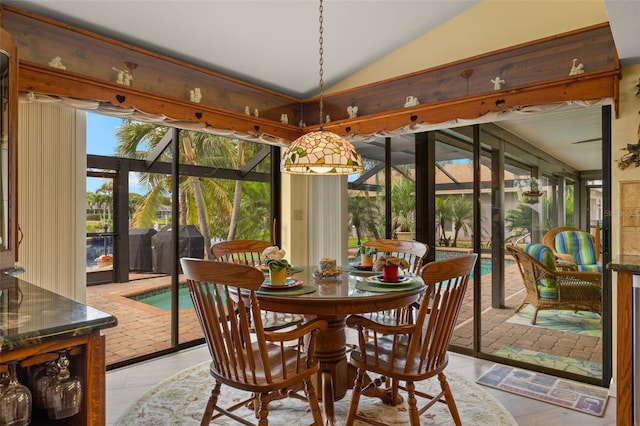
x=402, y=280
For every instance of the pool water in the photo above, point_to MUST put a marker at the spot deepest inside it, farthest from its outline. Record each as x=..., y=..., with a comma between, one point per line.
x=162, y=298
x=485, y=265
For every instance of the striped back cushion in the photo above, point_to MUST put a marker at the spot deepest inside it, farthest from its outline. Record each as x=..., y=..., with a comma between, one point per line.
x=579, y=245
x=547, y=287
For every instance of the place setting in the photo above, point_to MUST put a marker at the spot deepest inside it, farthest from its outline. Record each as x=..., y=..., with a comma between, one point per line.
x=279, y=280
x=390, y=279
x=359, y=269
x=365, y=266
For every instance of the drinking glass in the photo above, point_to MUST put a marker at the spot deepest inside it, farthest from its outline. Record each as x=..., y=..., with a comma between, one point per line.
x=15, y=401
x=41, y=379
x=4, y=380
x=63, y=395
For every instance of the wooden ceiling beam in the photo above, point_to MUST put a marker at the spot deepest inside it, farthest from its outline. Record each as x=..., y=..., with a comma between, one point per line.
x=538, y=72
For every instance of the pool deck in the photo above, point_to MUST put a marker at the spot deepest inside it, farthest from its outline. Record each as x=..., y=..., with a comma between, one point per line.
x=142, y=328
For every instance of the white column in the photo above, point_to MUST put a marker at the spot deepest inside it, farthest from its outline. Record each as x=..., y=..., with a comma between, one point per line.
x=295, y=218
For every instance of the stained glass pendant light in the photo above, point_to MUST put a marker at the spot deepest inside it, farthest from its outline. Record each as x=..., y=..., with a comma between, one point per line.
x=321, y=152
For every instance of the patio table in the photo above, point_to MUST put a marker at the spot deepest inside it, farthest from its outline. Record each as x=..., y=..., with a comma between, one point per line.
x=333, y=299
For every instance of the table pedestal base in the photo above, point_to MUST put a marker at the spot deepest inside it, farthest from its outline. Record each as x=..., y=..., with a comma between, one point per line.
x=335, y=374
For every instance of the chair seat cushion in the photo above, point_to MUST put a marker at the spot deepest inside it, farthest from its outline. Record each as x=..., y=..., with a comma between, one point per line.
x=590, y=268
x=547, y=288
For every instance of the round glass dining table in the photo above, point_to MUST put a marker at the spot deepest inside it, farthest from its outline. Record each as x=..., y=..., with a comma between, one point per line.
x=332, y=299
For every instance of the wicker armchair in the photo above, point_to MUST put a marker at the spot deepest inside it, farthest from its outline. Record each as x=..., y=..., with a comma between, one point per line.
x=549, y=288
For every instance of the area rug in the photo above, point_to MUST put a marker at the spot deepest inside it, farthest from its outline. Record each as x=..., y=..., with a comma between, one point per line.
x=181, y=399
x=584, y=323
x=561, y=363
x=577, y=396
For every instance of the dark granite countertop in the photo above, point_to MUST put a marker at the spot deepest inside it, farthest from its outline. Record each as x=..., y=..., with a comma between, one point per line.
x=30, y=315
x=625, y=263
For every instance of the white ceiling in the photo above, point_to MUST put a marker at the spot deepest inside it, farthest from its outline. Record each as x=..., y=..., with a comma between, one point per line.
x=274, y=43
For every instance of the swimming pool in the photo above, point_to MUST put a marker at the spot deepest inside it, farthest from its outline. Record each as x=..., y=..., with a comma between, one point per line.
x=485, y=264
x=161, y=298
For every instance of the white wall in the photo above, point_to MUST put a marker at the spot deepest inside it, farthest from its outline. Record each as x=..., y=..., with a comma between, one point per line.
x=624, y=130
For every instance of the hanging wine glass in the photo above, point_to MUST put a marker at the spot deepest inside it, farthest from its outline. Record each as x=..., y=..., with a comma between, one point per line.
x=4, y=379
x=15, y=401
x=64, y=394
x=41, y=380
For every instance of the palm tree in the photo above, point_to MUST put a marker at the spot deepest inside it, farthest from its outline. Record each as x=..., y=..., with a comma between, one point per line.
x=444, y=214
x=461, y=215
x=519, y=221
x=104, y=200
x=256, y=212
x=403, y=205
x=197, y=149
x=364, y=214
x=237, y=196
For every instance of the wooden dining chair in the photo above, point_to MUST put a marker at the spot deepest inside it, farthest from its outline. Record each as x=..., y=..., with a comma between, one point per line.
x=246, y=252
x=249, y=252
x=269, y=365
x=414, y=351
x=414, y=253
x=411, y=251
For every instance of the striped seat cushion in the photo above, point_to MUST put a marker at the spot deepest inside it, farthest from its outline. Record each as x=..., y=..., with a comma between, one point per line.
x=547, y=288
x=579, y=245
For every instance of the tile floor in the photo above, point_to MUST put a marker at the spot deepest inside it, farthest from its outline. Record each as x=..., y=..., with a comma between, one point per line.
x=125, y=385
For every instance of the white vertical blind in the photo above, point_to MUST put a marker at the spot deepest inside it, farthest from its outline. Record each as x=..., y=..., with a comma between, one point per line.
x=328, y=216
x=51, y=197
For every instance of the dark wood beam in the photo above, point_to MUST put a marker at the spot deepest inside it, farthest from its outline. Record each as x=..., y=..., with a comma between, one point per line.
x=535, y=72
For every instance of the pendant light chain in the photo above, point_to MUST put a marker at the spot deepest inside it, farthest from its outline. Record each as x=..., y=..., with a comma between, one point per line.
x=321, y=51
x=320, y=152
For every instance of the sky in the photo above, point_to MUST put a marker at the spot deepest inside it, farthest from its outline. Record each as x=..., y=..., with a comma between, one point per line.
x=102, y=140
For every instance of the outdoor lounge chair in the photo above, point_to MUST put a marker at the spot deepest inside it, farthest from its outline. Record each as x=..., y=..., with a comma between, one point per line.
x=550, y=288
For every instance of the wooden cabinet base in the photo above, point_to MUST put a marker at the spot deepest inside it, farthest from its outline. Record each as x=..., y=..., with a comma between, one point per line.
x=87, y=356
